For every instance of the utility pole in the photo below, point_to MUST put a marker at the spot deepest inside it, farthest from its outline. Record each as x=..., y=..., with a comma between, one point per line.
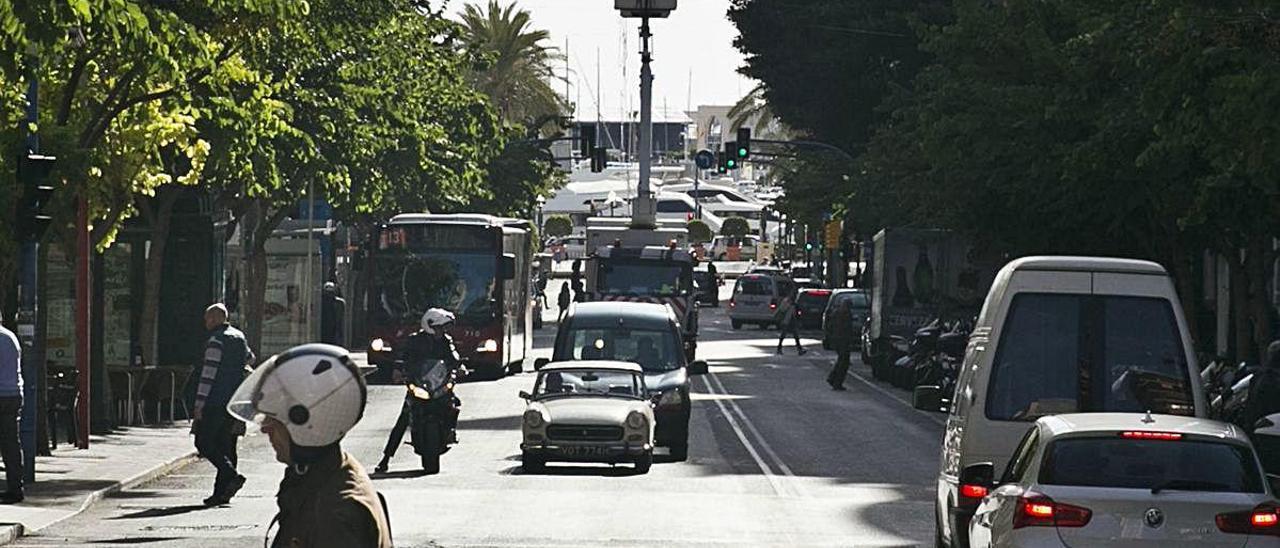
x=28, y=298
x=644, y=209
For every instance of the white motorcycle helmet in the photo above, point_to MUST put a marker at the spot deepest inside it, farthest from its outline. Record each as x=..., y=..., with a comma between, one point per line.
x=314, y=390
x=436, y=318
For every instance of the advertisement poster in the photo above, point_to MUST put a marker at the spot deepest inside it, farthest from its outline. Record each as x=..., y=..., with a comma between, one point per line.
x=285, y=307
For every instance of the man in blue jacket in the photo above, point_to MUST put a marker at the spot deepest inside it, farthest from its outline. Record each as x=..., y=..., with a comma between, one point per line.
x=10, y=413
x=226, y=356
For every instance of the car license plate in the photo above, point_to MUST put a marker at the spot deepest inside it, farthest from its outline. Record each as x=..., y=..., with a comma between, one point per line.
x=583, y=451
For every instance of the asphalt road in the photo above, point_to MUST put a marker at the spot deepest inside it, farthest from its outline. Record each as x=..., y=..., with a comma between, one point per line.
x=776, y=459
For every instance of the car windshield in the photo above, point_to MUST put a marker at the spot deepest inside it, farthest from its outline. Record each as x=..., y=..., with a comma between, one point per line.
x=649, y=278
x=1151, y=464
x=755, y=286
x=588, y=382
x=653, y=350
x=1064, y=353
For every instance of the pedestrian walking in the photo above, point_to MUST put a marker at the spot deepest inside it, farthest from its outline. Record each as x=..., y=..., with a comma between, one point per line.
x=579, y=290
x=564, y=300
x=789, y=323
x=307, y=399
x=842, y=341
x=226, y=358
x=10, y=414
x=333, y=308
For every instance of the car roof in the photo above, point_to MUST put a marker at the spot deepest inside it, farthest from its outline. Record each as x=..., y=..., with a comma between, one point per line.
x=593, y=364
x=1085, y=423
x=612, y=313
x=1087, y=264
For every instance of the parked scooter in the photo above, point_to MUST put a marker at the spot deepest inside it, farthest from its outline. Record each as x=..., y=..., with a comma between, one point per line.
x=434, y=411
x=921, y=350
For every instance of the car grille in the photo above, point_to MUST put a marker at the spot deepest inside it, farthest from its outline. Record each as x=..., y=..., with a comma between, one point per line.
x=569, y=432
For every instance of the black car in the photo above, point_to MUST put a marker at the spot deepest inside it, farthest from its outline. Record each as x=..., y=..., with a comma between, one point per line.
x=811, y=304
x=859, y=306
x=641, y=333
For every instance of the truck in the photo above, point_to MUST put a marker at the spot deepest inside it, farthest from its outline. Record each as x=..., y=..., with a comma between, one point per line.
x=922, y=274
x=651, y=265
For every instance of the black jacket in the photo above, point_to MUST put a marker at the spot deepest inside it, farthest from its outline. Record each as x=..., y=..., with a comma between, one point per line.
x=422, y=346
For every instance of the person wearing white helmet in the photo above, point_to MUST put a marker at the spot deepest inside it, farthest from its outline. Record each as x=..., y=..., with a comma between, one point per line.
x=306, y=399
x=433, y=342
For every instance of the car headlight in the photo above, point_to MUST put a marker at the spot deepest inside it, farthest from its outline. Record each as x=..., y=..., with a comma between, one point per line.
x=534, y=419
x=636, y=420
x=379, y=345
x=671, y=399
x=489, y=345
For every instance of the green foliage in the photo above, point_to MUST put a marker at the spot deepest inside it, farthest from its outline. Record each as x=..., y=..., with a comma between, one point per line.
x=735, y=227
x=517, y=177
x=699, y=232
x=558, y=226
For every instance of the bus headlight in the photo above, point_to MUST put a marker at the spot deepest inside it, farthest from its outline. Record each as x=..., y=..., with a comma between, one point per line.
x=636, y=420
x=489, y=345
x=379, y=345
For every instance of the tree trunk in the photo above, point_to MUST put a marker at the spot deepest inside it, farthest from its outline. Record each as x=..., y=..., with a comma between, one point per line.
x=1240, y=330
x=1259, y=300
x=161, y=216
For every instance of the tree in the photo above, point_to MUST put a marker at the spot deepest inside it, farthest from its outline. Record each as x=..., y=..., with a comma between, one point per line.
x=513, y=65
x=735, y=227
x=558, y=226
x=699, y=232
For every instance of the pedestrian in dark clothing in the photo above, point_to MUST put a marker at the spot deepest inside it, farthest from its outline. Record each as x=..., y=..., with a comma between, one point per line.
x=226, y=357
x=10, y=414
x=579, y=291
x=789, y=323
x=333, y=308
x=842, y=340
x=563, y=300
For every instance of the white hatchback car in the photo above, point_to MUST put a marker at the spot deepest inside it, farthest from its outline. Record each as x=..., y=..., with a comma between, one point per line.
x=588, y=411
x=1125, y=479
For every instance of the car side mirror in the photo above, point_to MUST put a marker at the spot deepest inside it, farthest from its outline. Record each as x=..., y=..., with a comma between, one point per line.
x=508, y=265
x=539, y=363
x=978, y=475
x=928, y=398
x=698, y=367
x=1264, y=422
x=525, y=395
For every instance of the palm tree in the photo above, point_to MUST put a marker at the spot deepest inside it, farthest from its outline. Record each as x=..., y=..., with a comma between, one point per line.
x=516, y=70
x=754, y=110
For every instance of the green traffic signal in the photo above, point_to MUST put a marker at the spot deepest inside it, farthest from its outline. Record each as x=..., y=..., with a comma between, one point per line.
x=808, y=246
x=731, y=163
x=742, y=152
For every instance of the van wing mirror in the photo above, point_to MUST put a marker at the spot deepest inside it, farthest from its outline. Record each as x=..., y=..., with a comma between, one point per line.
x=698, y=367
x=539, y=363
x=981, y=474
x=525, y=395
x=928, y=398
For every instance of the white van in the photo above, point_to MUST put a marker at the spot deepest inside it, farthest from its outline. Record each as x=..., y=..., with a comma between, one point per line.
x=760, y=299
x=1060, y=335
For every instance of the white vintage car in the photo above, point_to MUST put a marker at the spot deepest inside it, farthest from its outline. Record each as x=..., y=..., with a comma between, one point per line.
x=588, y=411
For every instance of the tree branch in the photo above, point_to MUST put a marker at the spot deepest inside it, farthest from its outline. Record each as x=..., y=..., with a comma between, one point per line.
x=115, y=92
x=73, y=84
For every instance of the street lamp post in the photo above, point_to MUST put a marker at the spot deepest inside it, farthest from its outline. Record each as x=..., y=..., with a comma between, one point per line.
x=643, y=208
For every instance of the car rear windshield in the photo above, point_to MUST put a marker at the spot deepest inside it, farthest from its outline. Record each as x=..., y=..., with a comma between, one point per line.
x=855, y=299
x=1184, y=465
x=755, y=286
x=809, y=298
x=1066, y=353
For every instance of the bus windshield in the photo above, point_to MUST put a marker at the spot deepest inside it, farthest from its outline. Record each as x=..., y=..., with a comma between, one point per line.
x=643, y=278
x=408, y=283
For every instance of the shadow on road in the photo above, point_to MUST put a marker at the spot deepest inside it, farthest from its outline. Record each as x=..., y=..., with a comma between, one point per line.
x=402, y=474
x=160, y=513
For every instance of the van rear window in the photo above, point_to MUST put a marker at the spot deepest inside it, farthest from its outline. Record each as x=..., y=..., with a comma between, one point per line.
x=1183, y=465
x=1064, y=353
x=755, y=286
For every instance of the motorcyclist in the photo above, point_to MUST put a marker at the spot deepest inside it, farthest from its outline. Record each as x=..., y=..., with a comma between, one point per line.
x=432, y=342
x=306, y=399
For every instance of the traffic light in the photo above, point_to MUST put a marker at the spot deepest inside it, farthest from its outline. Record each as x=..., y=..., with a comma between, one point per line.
x=808, y=246
x=730, y=156
x=720, y=166
x=33, y=176
x=744, y=143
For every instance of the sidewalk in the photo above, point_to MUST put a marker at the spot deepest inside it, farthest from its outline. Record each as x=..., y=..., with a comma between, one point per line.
x=71, y=480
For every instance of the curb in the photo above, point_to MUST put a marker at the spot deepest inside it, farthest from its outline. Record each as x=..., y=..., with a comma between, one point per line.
x=12, y=532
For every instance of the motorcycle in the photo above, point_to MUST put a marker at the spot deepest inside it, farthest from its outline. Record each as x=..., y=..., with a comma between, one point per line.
x=433, y=409
x=920, y=351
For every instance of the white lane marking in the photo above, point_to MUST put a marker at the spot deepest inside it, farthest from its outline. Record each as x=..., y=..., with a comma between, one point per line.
x=773, y=480
x=764, y=443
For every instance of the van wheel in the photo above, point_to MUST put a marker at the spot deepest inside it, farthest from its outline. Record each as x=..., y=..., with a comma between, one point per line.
x=736, y=324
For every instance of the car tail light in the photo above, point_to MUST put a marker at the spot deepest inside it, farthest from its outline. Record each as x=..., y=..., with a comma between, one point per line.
x=1035, y=510
x=820, y=292
x=974, y=492
x=1263, y=520
x=732, y=304
x=773, y=305
x=1141, y=435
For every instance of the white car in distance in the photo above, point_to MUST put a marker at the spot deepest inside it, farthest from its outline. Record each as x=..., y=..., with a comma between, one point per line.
x=1125, y=480
x=588, y=411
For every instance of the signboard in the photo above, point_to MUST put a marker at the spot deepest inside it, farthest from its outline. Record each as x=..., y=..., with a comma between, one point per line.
x=832, y=234
x=705, y=159
x=645, y=8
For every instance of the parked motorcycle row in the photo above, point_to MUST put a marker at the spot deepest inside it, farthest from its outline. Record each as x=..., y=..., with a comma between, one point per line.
x=931, y=357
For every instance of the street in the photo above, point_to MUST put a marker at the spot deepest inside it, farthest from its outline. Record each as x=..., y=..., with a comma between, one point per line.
x=776, y=458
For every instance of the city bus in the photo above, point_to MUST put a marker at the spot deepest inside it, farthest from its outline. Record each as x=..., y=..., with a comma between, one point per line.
x=476, y=266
